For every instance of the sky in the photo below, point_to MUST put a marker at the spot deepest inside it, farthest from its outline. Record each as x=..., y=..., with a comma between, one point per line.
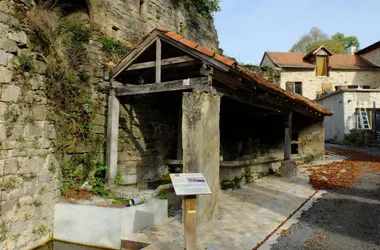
x=248, y=28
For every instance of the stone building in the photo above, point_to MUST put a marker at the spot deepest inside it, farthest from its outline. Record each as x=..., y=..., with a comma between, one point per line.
x=345, y=83
x=349, y=100
x=29, y=172
x=226, y=123
x=318, y=72
x=148, y=133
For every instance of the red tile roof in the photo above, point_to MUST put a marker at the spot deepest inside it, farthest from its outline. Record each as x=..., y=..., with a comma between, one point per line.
x=233, y=65
x=295, y=59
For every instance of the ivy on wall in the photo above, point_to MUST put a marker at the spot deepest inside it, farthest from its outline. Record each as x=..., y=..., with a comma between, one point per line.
x=60, y=42
x=206, y=8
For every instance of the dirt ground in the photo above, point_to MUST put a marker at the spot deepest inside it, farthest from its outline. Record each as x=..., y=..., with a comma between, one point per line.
x=348, y=215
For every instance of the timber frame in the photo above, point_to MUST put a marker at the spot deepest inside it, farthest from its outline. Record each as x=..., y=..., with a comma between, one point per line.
x=162, y=53
x=166, y=62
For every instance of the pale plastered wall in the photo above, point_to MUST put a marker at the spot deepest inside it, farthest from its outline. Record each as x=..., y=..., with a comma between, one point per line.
x=334, y=125
x=311, y=83
x=344, y=105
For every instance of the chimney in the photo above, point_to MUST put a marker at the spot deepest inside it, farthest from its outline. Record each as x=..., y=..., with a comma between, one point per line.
x=351, y=50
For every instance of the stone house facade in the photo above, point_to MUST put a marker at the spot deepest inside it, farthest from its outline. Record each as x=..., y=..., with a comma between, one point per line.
x=349, y=85
x=299, y=71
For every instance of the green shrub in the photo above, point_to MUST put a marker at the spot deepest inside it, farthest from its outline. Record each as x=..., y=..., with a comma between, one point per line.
x=99, y=180
x=114, y=47
x=308, y=158
x=119, y=179
x=24, y=62
x=205, y=7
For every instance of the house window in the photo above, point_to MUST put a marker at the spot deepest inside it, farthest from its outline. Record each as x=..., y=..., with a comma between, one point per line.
x=294, y=87
x=298, y=88
x=322, y=66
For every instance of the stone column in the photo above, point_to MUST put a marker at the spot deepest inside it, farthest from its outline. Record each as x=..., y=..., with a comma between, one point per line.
x=112, y=135
x=288, y=167
x=201, y=145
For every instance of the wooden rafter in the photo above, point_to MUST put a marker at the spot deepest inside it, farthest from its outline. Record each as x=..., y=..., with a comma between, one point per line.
x=177, y=85
x=128, y=60
x=174, y=61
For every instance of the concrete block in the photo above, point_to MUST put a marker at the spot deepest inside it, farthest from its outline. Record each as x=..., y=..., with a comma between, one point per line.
x=289, y=169
x=105, y=227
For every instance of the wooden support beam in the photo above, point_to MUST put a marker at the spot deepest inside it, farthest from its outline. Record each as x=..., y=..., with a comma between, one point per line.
x=286, y=103
x=177, y=85
x=158, y=60
x=250, y=99
x=112, y=136
x=128, y=60
x=195, y=53
x=288, y=136
x=175, y=61
x=190, y=214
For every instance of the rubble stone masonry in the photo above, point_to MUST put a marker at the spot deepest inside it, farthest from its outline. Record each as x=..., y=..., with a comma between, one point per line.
x=29, y=172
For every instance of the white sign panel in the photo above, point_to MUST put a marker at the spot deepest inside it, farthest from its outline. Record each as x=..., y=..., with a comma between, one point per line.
x=190, y=184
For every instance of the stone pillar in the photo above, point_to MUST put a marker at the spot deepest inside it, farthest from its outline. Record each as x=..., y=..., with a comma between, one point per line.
x=112, y=135
x=288, y=167
x=201, y=144
x=288, y=136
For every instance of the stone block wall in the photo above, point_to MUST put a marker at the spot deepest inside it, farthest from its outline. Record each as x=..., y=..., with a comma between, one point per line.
x=129, y=21
x=148, y=135
x=29, y=185
x=29, y=172
x=310, y=136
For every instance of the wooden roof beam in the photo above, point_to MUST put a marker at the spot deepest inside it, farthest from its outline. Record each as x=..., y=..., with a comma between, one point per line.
x=174, y=61
x=199, y=83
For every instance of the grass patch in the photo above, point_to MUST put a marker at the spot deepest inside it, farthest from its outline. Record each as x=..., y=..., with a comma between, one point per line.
x=114, y=47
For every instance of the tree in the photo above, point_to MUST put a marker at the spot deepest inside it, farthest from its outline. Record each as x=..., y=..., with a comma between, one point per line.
x=316, y=37
x=308, y=41
x=346, y=41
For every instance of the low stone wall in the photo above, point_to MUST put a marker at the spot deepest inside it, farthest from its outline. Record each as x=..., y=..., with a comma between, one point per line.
x=103, y=226
x=234, y=174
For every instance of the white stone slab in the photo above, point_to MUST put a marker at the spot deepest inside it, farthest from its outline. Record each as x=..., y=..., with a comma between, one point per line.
x=105, y=227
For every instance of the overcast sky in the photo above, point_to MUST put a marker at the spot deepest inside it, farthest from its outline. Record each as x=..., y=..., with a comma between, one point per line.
x=247, y=28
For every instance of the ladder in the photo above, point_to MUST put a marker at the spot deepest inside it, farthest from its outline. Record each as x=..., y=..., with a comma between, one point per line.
x=362, y=120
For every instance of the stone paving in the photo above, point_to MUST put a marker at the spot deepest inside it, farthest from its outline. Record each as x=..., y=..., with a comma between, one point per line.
x=244, y=218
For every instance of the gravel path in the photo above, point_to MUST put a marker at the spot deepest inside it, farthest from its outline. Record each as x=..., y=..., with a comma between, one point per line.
x=341, y=219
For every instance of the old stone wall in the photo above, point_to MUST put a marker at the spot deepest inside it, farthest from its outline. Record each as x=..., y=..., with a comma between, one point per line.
x=310, y=136
x=312, y=84
x=29, y=171
x=29, y=184
x=129, y=21
x=148, y=136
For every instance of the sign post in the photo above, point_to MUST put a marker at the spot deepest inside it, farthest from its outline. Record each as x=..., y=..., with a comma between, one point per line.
x=189, y=186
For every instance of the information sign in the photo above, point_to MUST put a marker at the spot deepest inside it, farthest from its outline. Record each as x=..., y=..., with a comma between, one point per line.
x=190, y=184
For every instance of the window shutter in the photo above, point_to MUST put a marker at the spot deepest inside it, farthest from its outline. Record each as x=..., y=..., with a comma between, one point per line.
x=290, y=86
x=322, y=67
